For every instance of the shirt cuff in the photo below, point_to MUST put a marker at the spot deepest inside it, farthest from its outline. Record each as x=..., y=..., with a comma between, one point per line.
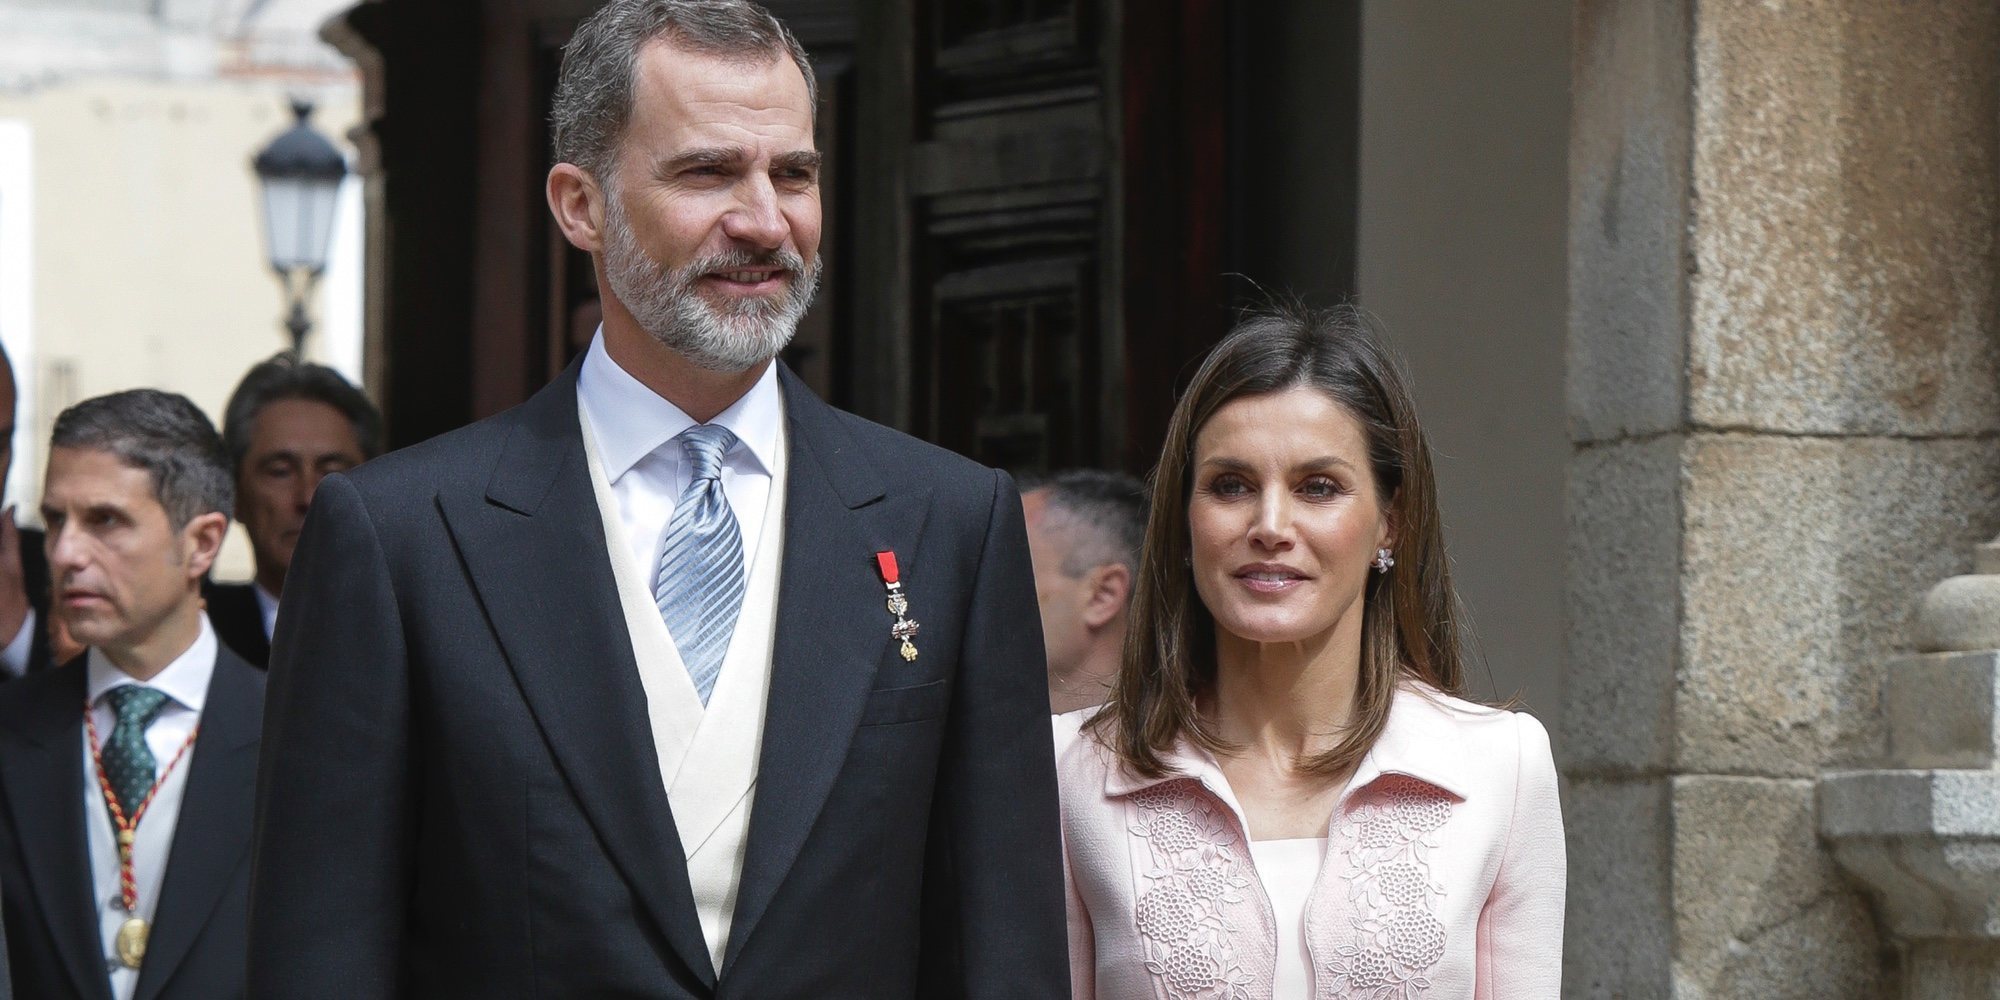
x=14, y=657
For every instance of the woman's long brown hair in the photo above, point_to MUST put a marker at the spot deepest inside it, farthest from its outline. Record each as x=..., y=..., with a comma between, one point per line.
x=1409, y=617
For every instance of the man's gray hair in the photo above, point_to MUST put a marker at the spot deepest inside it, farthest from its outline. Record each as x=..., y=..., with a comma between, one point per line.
x=1101, y=514
x=593, y=100
x=164, y=435
x=286, y=377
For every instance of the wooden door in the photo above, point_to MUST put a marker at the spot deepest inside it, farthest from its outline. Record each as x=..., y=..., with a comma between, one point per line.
x=1067, y=222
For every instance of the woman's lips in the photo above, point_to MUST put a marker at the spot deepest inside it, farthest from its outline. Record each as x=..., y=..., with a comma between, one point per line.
x=1269, y=579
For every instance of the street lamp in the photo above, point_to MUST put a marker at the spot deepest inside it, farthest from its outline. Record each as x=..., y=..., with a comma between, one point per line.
x=300, y=172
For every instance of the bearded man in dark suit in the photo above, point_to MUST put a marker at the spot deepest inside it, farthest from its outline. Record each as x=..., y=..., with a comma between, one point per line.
x=674, y=681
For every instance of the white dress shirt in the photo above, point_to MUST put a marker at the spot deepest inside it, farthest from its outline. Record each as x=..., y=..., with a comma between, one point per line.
x=267, y=606
x=635, y=428
x=14, y=656
x=707, y=754
x=185, y=682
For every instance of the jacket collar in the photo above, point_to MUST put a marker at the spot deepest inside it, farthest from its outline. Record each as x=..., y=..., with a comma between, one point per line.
x=1419, y=741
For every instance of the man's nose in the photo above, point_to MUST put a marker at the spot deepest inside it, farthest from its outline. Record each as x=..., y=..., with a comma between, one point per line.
x=303, y=489
x=65, y=548
x=756, y=219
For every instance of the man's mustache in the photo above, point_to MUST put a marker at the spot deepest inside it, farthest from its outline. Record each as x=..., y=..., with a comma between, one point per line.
x=791, y=263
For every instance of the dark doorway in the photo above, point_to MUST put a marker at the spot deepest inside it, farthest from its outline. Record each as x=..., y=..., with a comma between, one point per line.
x=1030, y=213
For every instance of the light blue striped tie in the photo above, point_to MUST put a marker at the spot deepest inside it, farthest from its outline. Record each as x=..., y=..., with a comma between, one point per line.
x=699, y=588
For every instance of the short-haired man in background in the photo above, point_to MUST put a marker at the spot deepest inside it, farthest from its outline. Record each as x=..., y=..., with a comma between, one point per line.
x=1085, y=527
x=288, y=425
x=141, y=886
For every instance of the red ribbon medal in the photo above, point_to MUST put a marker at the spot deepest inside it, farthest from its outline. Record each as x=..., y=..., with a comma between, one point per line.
x=898, y=603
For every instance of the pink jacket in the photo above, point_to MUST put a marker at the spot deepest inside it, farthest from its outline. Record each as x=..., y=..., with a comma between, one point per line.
x=1443, y=876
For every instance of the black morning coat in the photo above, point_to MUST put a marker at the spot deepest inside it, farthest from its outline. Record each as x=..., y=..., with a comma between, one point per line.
x=35, y=577
x=459, y=794
x=238, y=620
x=197, y=947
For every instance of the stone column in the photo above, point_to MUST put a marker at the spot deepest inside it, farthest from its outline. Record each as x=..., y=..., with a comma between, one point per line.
x=1923, y=833
x=1784, y=396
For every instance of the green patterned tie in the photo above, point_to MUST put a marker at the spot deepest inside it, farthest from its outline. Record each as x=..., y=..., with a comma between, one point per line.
x=128, y=762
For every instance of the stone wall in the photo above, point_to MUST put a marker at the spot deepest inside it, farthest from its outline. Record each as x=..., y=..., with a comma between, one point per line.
x=1784, y=396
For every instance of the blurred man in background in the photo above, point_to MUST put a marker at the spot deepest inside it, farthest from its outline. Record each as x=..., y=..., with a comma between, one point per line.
x=288, y=424
x=1084, y=531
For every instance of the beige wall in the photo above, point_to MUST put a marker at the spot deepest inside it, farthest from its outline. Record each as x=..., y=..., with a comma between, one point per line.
x=147, y=254
x=1462, y=253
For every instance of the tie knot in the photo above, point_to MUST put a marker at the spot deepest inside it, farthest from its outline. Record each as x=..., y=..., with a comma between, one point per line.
x=135, y=704
x=704, y=445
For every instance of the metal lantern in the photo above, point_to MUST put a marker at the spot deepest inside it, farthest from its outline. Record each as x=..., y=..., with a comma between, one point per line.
x=301, y=173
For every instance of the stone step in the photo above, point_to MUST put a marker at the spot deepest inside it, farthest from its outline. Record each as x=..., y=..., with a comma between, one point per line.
x=1926, y=843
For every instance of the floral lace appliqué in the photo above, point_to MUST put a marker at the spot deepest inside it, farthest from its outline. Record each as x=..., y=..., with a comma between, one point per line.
x=1197, y=868
x=1398, y=936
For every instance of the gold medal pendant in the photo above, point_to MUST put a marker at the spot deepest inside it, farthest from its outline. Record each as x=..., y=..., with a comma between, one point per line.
x=130, y=944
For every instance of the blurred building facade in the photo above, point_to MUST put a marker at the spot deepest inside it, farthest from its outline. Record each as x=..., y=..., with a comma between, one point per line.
x=131, y=231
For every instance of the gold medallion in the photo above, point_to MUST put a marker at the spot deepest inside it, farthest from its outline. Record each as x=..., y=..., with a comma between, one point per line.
x=131, y=942
x=906, y=629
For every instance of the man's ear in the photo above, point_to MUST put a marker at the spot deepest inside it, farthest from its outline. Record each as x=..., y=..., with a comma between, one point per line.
x=577, y=202
x=201, y=542
x=1110, y=589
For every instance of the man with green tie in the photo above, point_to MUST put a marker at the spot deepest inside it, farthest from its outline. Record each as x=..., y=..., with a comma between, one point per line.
x=127, y=774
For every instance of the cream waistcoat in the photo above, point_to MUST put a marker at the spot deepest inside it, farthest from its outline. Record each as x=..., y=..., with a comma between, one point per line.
x=707, y=757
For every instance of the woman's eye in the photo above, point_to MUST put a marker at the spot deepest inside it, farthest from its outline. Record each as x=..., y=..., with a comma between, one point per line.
x=1319, y=488
x=1228, y=486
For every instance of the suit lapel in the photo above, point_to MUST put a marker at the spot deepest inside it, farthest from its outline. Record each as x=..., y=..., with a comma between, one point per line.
x=43, y=771
x=534, y=547
x=212, y=832
x=825, y=654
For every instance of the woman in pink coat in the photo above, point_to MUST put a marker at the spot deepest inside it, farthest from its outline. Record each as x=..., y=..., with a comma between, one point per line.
x=1284, y=797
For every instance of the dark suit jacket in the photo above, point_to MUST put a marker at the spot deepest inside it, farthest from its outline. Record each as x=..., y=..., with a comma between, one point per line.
x=460, y=796
x=238, y=620
x=197, y=947
x=35, y=575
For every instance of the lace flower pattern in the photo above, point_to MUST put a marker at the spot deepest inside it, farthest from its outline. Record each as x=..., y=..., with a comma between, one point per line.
x=1198, y=874
x=1398, y=936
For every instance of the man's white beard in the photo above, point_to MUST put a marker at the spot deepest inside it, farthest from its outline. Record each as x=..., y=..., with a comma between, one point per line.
x=666, y=304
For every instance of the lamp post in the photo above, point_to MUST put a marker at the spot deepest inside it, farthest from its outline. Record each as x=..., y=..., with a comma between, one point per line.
x=300, y=172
